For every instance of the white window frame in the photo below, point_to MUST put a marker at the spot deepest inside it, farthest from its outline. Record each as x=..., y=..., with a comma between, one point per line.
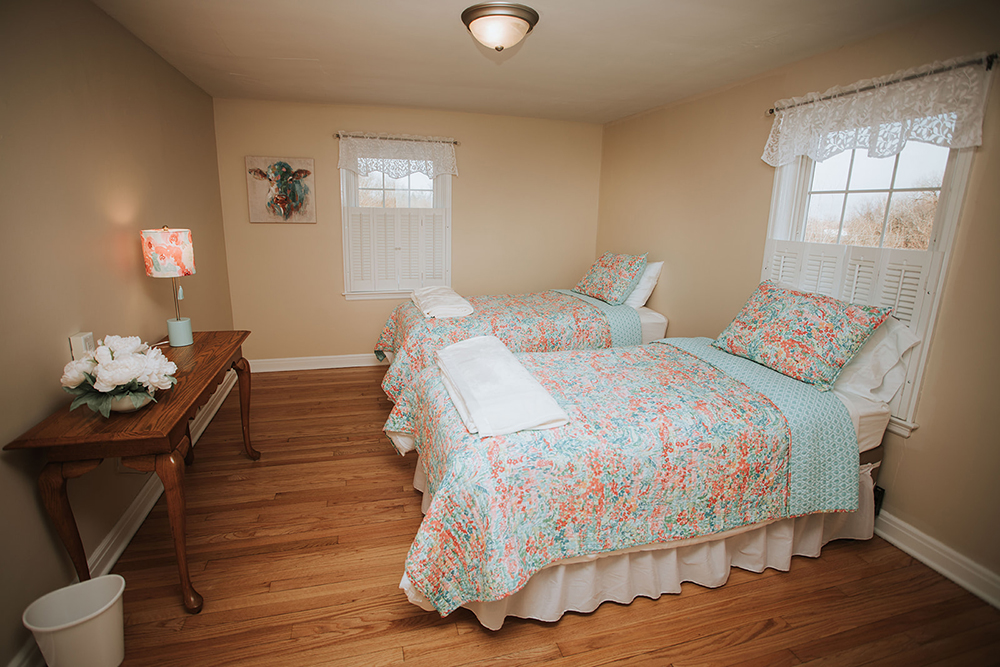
x=785, y=258
x=373, y=271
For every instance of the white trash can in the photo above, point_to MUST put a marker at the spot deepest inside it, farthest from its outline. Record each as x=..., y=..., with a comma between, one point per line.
x=81, y=625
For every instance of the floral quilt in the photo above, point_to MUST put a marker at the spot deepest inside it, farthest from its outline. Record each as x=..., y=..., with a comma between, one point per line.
x=660, y=446
x=537, y=322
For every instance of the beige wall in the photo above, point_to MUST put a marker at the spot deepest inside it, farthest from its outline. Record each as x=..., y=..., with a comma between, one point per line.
x=100, y=138
x=687, y=184
x=524, y=216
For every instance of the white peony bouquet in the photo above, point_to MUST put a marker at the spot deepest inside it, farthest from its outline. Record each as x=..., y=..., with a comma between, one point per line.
x=119, y=367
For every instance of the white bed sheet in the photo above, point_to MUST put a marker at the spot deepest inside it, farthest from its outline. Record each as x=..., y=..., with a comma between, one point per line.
x=870, y=419
x=654, y=324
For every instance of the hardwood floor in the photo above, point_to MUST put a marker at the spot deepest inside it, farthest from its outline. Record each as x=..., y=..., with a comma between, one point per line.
x=299, y=557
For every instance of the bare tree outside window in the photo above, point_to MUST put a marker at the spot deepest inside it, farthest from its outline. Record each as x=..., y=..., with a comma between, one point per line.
x=876, y=202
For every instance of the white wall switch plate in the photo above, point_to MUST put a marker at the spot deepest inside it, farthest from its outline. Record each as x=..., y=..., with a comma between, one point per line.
x=81, y=343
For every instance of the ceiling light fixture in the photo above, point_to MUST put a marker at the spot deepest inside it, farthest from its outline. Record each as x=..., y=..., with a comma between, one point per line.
x=499, y=25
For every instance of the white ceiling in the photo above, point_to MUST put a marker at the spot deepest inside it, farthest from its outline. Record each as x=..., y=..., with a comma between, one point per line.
x=586, y=60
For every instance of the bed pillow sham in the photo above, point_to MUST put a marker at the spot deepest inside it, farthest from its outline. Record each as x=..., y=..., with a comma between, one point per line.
x=612, y=277
x=640, y=295
x=878, y=370
x=805, y=336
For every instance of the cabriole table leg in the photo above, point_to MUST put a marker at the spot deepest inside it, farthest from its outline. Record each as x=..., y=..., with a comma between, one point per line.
x=170, y=469
x=242, y=367
x=52, y=483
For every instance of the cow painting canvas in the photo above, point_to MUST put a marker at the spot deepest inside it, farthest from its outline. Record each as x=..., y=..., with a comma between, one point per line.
x=281, y=189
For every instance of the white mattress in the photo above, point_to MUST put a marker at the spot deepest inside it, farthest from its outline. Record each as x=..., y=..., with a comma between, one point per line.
x=654, y=325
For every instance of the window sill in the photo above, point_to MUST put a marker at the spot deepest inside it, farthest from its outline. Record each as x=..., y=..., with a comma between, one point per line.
x=364, y=296
x=901, y=427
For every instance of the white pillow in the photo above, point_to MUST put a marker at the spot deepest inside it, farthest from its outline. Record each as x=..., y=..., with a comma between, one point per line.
x=878, y=370
x=640, y=295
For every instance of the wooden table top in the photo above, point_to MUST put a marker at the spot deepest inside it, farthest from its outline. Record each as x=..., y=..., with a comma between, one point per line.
x=154, y=429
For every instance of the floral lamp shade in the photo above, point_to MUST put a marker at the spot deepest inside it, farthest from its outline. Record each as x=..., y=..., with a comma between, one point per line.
x=168, y=253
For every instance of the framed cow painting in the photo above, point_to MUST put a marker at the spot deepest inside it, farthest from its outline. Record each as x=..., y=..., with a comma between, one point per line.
x=281, y=189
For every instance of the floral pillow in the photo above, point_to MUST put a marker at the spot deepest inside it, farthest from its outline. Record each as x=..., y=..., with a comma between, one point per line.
x=809, y=337
x=612, y=277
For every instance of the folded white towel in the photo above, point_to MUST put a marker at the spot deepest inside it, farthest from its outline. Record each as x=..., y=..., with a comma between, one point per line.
x=440, y=301
x=493, y=392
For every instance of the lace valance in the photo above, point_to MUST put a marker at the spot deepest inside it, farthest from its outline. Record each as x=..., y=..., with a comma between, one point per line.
x=398, y=155
x=941, y=103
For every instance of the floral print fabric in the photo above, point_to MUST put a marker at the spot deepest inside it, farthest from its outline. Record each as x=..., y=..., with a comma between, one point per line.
x=612, y=277
x=660, y=446
x=539, y=322
x=809, y=337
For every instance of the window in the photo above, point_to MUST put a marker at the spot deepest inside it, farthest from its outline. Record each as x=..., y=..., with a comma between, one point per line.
x=889, y=202
x=376, y=190
x=867, y=194
x=396, y=196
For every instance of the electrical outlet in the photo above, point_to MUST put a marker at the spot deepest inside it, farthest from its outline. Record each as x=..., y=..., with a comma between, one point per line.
x=80, y=344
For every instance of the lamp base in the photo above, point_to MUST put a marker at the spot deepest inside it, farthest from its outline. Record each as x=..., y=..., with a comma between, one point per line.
x=179, y=332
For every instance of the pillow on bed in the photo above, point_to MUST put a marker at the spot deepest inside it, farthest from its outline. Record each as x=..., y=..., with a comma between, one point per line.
x=612, y=277
x=809, y=337
x=878, y=370
x=640, y=295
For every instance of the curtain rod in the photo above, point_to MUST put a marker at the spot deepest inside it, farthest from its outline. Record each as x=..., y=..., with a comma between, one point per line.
x=358, y=135
x=989, y=60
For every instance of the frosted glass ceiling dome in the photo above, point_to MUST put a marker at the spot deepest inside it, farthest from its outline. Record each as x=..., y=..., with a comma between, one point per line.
x=499, y=25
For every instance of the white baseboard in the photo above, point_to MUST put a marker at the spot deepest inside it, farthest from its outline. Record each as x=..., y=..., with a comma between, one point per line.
x=28, y=656
x=113, y=545
x=315, y=363
x=938, y=556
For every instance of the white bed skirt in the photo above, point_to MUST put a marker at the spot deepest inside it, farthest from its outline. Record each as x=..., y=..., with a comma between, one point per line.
x=582, y=584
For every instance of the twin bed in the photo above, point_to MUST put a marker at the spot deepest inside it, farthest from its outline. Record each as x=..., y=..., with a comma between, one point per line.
x=680, y=459
x=539, y=322
x=607, y=309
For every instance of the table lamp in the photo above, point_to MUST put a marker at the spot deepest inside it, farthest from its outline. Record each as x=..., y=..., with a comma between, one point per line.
x=169, y=253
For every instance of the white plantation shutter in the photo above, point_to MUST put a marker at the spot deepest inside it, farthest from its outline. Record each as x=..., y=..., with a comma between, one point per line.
x=869, y=276
x=823, y=267
x=410, y=249
x=384, y=249
x=435, y=244
x=397, y=249
x=360, y=244
x=860, y=271
x=784, y=259
x=902, y=283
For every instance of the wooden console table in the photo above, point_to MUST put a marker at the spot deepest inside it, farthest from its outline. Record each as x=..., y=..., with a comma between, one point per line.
x=156, y=438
